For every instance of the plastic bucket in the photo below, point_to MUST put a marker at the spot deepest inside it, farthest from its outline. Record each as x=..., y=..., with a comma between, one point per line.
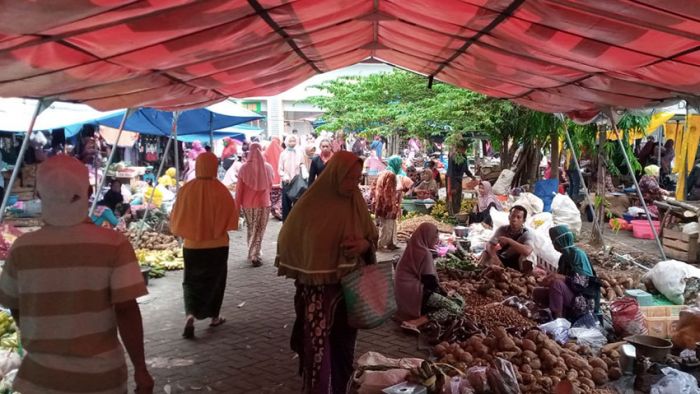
x=641, y=229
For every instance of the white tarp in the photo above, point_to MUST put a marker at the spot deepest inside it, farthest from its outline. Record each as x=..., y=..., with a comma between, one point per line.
x=16, y=113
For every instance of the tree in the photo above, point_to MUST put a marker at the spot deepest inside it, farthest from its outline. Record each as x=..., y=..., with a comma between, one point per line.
x=384, y=103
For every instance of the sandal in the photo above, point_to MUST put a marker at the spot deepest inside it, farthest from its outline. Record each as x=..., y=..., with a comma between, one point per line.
x=219, y=321
x=257, y=263
x=408, y=327
x=189, y=332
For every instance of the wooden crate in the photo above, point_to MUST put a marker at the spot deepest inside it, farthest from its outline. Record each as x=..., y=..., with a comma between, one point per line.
x=680, y=246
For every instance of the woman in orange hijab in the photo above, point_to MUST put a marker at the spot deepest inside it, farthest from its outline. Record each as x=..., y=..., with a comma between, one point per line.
x=203, y=214
x=272, y=157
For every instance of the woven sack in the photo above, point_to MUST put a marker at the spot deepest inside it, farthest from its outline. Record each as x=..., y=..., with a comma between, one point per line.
x=369, y=295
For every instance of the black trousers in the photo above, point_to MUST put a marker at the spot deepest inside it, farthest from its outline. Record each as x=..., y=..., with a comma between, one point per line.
x=287, y=203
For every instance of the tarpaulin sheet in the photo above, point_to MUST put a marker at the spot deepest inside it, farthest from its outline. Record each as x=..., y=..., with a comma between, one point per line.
x=194, y=121
x=549, y=55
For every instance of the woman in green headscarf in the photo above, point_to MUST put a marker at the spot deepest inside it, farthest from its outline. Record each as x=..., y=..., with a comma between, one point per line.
x=389, y=188
x=395, y=165
x=573, y=290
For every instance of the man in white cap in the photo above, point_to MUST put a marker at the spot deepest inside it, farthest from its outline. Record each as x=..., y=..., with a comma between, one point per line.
x=71, y=286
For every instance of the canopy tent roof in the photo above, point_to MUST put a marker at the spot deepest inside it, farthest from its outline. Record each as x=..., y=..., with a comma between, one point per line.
x=16, y=113
x=549, y=55
x=194, y=121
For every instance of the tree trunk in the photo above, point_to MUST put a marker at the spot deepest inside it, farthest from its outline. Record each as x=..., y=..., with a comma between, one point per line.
x=527, y=166
x=597, y=231
x=554, y=173
x=506, y=156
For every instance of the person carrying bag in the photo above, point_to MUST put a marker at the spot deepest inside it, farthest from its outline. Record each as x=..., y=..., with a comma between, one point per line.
x=328, y=235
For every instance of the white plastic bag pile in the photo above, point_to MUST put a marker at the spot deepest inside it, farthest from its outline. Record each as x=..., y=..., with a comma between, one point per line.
x=565, y=211
x=502, y=185
x=668, y=277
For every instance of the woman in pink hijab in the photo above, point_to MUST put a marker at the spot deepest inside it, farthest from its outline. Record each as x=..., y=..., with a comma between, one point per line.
x=487, y=200
x=419, y=297
x=272, y=157
x=192, y=154
x=253, y=195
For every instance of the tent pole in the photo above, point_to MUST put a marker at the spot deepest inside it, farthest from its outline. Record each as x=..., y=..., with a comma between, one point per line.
x=176, y=115
x=583, y=182
x=636, y=184
x=41, y=105
x=211, y=131
x=142, y=227
x=98, y=191
x=658, y=159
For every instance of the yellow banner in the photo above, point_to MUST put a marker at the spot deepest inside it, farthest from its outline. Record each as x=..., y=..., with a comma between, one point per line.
x=658, y=119
x=686, y=148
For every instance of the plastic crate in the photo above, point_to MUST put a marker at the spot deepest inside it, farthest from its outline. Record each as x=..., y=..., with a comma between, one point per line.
x=642, y=297
x=642, y=230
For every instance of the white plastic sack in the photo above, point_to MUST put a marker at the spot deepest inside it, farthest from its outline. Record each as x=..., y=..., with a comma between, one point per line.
x=565, y=211
x=675, y=382
x=478, y=237
x=392, y=371
x=544, y=249
x=9, y=361
x=502, y=185
x=691, y=228
x=543, y=220
x=531, y=203
x=498, y=218
x=668, y=277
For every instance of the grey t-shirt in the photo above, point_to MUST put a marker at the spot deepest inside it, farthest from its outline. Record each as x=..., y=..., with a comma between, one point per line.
x=525, y=238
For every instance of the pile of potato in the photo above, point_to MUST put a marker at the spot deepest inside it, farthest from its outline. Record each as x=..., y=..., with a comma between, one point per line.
x=494, y=283
x=152, y=241
x=614, y=286
x=499, y=282
x=541, y=362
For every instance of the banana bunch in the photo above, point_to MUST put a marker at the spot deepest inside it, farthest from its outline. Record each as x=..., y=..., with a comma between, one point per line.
x=9, y=341
x=439, y=211
x=161, y=260
x=425, y=375
x=7, y=324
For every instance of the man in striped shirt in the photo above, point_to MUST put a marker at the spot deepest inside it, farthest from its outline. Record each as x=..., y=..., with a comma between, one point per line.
x=72, y=289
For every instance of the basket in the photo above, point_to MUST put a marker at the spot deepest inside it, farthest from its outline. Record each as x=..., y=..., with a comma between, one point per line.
x=369, y=295
x=419, y=206
x=462, y=217
x=655, y=348
x=642, y=230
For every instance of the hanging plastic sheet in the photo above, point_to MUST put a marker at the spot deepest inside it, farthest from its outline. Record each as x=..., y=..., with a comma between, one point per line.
x=686, y=153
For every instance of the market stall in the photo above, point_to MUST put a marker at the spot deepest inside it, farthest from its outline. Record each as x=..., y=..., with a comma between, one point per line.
x=505, y=342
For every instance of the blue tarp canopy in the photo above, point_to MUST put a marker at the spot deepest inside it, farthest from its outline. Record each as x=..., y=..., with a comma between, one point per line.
x=239, y=132
x=15, y=115
x=195, y=121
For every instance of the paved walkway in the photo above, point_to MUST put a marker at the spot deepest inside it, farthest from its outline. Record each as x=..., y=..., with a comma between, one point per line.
x=250, y=352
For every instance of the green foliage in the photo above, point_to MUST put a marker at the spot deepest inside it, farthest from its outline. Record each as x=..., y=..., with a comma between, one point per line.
x=384, y=103
x=616, y=160
x=583, y=138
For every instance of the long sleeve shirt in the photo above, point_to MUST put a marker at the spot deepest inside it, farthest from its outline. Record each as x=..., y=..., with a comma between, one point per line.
x=290, y=164
x=317, y=165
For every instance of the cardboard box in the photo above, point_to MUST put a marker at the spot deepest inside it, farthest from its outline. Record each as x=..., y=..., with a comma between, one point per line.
x=662, y=321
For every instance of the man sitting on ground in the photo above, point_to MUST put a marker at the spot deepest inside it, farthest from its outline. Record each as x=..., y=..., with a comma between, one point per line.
x=512, y=245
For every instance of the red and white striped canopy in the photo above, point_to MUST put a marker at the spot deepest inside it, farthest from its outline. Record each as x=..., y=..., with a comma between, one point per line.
x=549, y=55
